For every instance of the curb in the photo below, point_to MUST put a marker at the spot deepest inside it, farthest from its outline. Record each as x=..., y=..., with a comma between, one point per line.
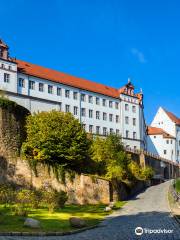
x=43, y=234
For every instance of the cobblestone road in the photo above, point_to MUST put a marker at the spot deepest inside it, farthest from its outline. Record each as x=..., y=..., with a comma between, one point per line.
x=149, y=210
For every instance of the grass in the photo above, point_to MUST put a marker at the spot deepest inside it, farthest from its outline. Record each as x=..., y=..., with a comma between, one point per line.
x=177, y=185
x=57, y=221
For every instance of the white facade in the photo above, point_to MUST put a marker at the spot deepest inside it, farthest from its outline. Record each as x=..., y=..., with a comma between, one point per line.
x=99, y=113
x=166, y=144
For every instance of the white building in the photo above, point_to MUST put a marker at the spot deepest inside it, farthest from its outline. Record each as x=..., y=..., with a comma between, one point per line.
x=164, y=135
x=101, y=109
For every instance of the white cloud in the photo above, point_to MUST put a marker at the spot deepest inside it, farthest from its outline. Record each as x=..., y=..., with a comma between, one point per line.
x=139, y=55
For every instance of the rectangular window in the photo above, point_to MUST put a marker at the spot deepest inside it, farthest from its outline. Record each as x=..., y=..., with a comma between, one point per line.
x=90, y=128
x=126, y=107
x=97, y=115
x=104, y=116
x=90, y=99
x=104, y=131
x=21, y=82
x=167, y=141
x=6, y=77
x=117, y=132
x=110, y=104
x=90, y=113
x=104, y=102
x=116, y=105
x=97, y=130
x=75, y=110
x=127, y=120
x=83, y=112
x=75, y=95
x=60, y=106
x=50, y=89
x=127, y=134
x=111, y=131
x=58, y=91
x=110, y=117
x=41, y=87
x=83, y=97
x=134, y=121
x=133, y=109
x=31, y=85
x=97, y=101
x=67, y=108
x=117, y=118
x=67, y=93
x=134, y=135
x=165, y=151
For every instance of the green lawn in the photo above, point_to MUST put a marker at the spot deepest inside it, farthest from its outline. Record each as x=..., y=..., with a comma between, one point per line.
x=57, y=221
x=177, y=185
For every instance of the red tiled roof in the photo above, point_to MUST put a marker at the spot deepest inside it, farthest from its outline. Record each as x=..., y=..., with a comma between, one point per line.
x=158, y=131
x=59, y=77
x=173, y=117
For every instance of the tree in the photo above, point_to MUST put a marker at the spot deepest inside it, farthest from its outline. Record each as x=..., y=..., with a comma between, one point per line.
x=111, y=157
x=56, y=139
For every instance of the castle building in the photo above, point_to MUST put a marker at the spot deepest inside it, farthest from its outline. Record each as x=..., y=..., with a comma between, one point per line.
x=100, y=109
x=164, y=135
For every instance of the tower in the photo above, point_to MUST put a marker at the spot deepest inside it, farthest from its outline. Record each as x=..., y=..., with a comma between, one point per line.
x=4, y=53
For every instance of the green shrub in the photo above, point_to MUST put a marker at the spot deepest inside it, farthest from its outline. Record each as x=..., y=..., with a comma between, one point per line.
x=53, y=199
x=177, y=185
x=147, y=173
x=7, y=194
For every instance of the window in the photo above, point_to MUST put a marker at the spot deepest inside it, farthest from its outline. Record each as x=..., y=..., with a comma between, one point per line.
x=117, y=132
x=134, y=135
x=135, y=147
x=50, y=89
x=2, y=65
x=6, y=77
x=179, y=143
x=167, y=141
x=126, y=107
x=178, y=152
x=90, y=128
x=83, y=97
x=104, y=102
x=60, y=106
x=90, y=99
x=21, y=82
x=171, y=141
x=31, y=85
x=110, y=104
x=97, y=130
x=67, y=108
x=104, y=116
x=75, y=110
x=97, y=101
x=83, y=112
x=165, y=151
x=75, y=95
x=111, y=131
x=117, y=118
x=90, y=113
x=110, y=117
x=154, y=136
x=127, y=120
x=104, y=131
x=116, y=105
x=134, y=109
x=9, y=67
x=84, y=126
x=41, y=87
x=127, y=134
x=58, y=91
x=97, y=115
x=134, y=121
x=67, y=93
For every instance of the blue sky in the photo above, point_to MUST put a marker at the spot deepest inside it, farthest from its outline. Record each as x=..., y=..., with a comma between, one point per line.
x=102, y=40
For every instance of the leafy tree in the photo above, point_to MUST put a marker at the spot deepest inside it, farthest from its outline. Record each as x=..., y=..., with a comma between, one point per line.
x=111, y=157
x=58, y=140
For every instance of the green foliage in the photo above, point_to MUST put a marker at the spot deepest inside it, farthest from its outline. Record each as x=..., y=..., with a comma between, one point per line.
x=140, y=173
x=112, y=160
x=7, y=194
x=177, y=185
x=58, y=140
x=147, y=173
x=53, y=199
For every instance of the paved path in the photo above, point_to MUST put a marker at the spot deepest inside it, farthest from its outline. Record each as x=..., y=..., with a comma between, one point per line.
x=148, y=210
